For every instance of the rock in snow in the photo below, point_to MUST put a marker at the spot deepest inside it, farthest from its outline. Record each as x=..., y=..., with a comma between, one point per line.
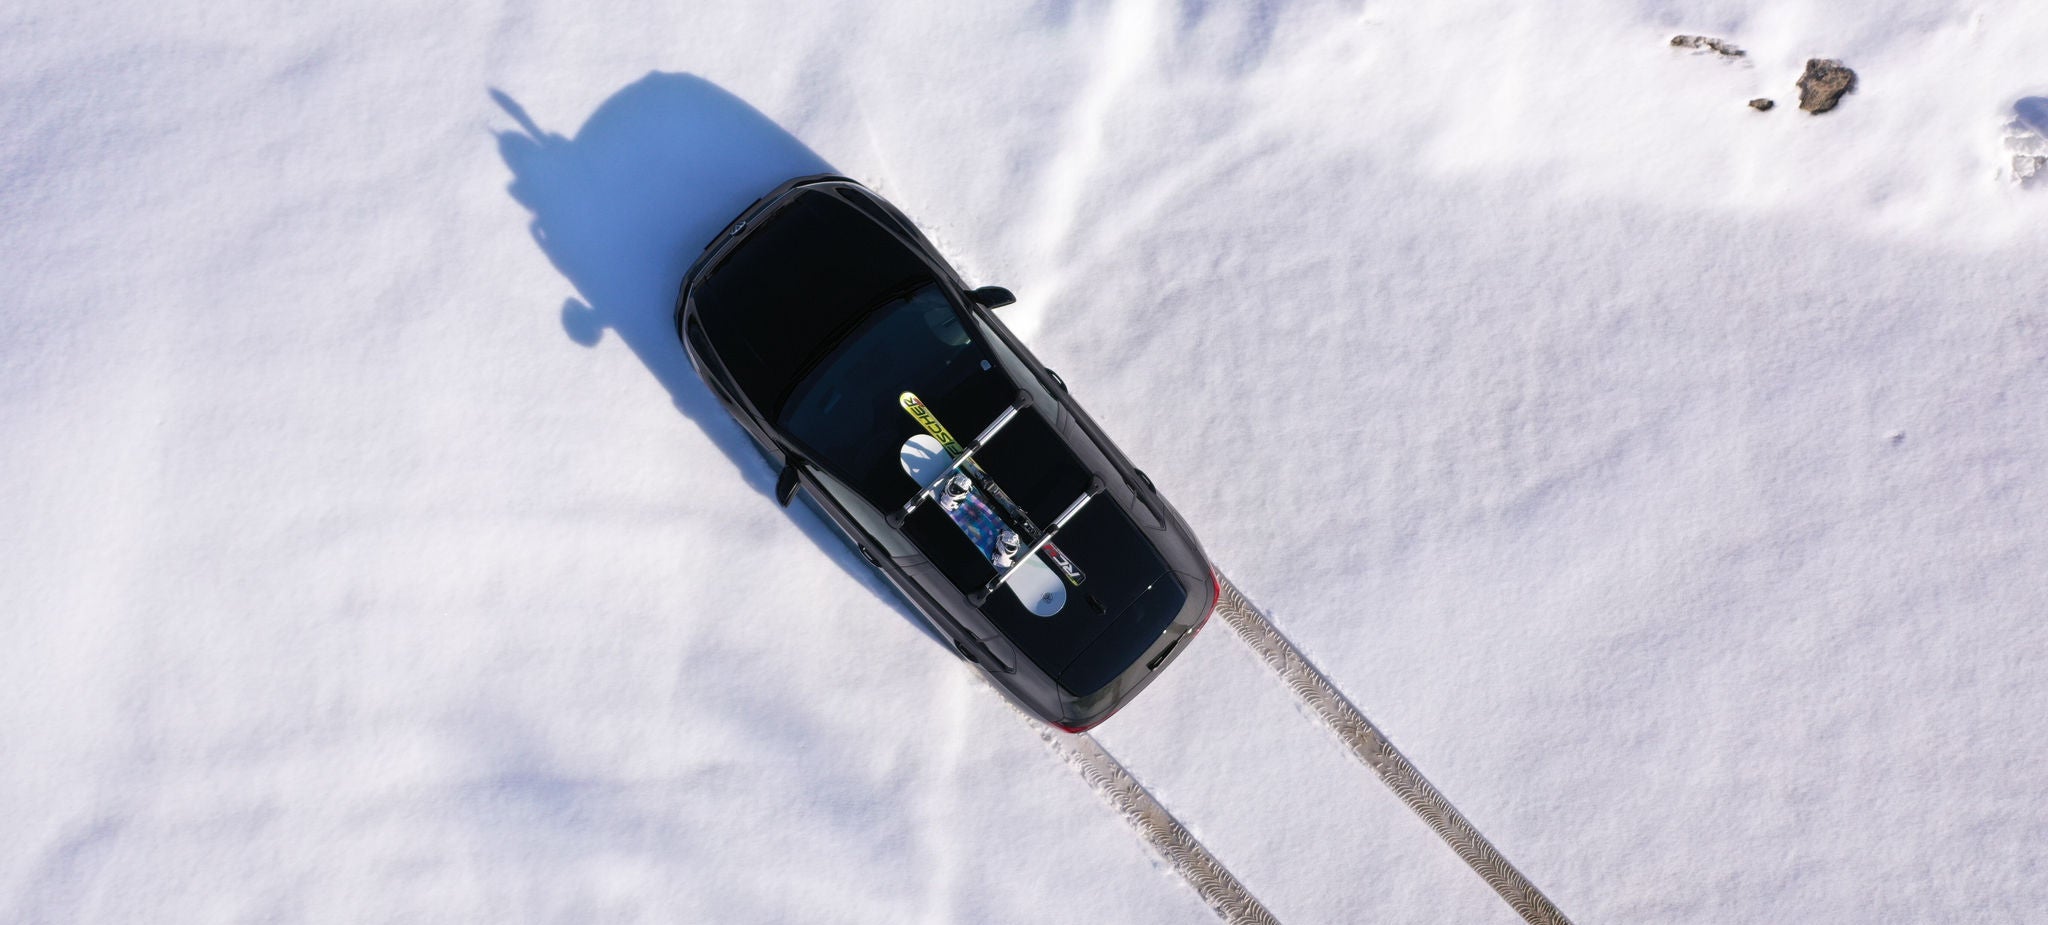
x=1706, y=43
x=1823, y=84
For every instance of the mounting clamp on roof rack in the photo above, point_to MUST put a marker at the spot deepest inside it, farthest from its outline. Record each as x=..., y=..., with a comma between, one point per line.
x=1021, y=402
x=1095, y=487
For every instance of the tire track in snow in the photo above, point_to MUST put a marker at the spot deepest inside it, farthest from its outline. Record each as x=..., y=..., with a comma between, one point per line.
x=1370, y=746
x=1167, y=838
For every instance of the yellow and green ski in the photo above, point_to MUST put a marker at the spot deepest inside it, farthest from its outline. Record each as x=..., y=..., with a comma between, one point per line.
x=1022, y=521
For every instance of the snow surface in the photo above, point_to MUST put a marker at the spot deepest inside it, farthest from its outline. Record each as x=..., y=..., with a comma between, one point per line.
x=1663, y=476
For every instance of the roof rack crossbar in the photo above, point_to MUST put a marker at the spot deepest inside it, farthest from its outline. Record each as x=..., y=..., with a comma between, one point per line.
x=1094, y=488
x=988, y=433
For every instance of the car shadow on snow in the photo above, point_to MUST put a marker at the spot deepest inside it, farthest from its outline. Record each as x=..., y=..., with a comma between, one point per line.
x=624, y=206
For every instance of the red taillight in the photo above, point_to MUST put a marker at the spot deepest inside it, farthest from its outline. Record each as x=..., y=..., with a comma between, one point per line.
x=1215, y=585
x=1105, y=718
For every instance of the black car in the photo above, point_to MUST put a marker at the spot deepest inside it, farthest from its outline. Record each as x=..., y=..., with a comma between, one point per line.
x=852, y=353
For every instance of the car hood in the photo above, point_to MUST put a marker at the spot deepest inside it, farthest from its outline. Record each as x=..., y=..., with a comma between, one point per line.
x=794, y=284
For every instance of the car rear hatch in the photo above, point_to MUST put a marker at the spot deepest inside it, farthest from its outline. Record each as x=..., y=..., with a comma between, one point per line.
x=1110, y=618
x=1126, y=637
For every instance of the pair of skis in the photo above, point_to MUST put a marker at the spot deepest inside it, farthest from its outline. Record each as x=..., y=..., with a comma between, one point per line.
x=967, y=506
x=922, y=413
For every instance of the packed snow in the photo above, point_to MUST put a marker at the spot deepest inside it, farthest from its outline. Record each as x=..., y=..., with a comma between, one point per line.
x=1664, y=476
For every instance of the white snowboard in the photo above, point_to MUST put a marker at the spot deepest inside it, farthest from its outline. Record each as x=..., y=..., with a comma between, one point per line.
x=1036, y=585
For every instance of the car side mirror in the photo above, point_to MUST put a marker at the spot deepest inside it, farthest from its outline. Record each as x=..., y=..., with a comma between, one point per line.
x=992, y=297
x=785, y=485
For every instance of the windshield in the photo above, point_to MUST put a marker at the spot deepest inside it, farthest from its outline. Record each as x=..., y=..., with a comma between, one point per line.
x=846, y=411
